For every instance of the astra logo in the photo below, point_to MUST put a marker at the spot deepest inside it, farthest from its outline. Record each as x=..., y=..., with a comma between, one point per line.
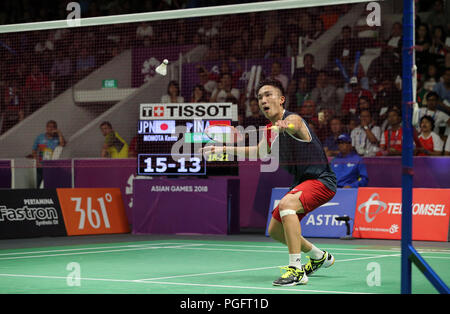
x=366, y=208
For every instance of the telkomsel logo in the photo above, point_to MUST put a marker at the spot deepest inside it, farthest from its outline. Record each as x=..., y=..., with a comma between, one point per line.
x=366, y=208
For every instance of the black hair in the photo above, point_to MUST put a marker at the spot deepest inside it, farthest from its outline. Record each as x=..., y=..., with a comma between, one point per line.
x=308, y=55
x=52, y=122
x=203, y=90
x=107, y=123
x=368, y=110
x=336, y=118
x=396, y=110
x=429, y=118
x=174, y=83
x=431, y=94
x=271, y=82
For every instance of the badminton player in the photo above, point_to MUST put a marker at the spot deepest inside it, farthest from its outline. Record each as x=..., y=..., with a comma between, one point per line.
x=302, y=155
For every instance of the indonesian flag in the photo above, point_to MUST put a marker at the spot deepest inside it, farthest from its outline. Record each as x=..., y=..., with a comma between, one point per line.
x=222, y=131
x=219, y=126
x=219, y=122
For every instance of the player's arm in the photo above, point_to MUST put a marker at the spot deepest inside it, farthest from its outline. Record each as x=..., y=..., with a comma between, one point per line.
x=245, y=152
x=295, y=126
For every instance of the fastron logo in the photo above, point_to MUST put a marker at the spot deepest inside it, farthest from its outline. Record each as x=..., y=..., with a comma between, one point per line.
x=366, y=208
x=41, y=215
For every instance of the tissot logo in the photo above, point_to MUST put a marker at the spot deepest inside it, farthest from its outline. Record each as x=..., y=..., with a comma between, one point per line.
x=158, y=111
x=368, y=210
x=188, y=111
x=152, y=111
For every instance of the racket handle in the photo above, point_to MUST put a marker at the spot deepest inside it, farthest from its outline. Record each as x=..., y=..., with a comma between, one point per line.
x=290, y=127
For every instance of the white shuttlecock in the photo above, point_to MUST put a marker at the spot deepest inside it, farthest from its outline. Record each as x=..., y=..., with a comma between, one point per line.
x=162, y=68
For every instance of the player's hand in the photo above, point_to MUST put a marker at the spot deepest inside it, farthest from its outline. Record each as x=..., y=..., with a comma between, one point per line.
x=209, y=150
x=283, y=126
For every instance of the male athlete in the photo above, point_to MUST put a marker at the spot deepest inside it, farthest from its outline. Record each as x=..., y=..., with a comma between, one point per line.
x=302, y=155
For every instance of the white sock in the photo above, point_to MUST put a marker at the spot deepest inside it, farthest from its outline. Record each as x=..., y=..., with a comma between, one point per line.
x=315, y=253
x=295, y=260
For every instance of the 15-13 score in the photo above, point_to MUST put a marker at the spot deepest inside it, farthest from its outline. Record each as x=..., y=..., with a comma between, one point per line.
x=167, y=164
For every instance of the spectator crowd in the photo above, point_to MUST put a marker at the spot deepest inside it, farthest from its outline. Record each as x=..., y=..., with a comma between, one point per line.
x=344, y=96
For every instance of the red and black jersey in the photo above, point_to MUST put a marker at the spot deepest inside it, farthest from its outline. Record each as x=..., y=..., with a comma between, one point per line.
x=305, y=160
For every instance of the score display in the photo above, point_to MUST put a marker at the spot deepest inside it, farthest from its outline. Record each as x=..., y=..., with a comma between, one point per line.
x=168, y=164
x=160, y=129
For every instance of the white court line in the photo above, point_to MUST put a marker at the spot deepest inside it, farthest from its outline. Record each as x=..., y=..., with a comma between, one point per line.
x=96, y=252
x=284, y=251
x=212, y=273
x=184, y=245
x=181, y=247
x=369, y=257
x=153, y=280
x=255, y=288
x=185, y=284
x=83, y=249
x=394, y=249
x=435, y=257
x=260, y=268
x=331, y=249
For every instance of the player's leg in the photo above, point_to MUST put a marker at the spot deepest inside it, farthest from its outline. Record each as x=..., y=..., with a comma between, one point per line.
x=289, y=207
x=314, y=195
x=310, y=195
x=276, y=232
x=289, y=223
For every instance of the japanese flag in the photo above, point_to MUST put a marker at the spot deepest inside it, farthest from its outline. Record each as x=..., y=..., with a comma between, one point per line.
x=164, y=127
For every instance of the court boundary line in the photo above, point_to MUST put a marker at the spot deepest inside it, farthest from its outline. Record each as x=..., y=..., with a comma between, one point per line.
x=157, y=280
x=146, y=245
x=78, y=249
x=95, y=252
x=259, y=268
x=290, y=289
x=182, y=245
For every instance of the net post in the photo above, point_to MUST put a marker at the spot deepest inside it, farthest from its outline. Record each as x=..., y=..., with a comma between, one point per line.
x=427, y=271
x=407, y=143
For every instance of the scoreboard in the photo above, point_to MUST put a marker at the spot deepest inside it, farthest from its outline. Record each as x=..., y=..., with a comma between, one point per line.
x=170, y=136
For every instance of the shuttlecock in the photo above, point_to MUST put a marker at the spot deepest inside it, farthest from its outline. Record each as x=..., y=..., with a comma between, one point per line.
x=162, y=68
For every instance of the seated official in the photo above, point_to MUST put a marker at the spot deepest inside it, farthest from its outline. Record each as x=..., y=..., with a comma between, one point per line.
x=348, y=166
x=114, y=145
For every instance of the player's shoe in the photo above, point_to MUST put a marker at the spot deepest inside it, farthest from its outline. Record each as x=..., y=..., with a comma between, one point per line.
x=313, y=265
x=292, y=277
